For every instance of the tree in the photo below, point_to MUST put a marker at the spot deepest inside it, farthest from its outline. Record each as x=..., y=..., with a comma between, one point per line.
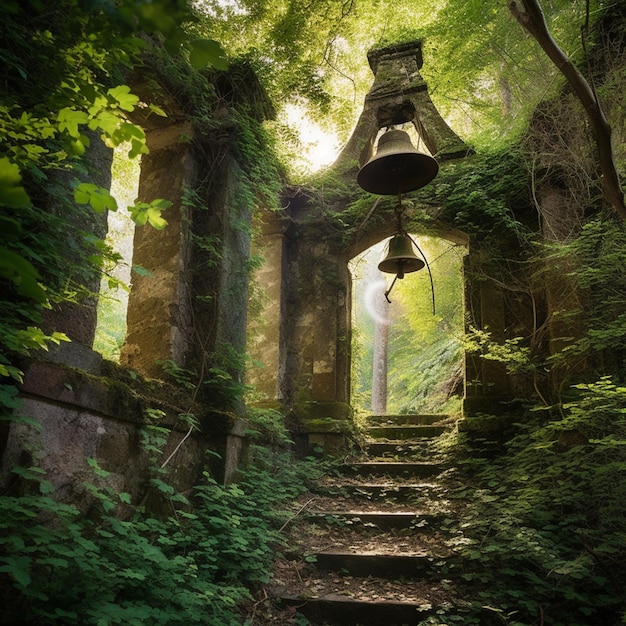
x=530, y=15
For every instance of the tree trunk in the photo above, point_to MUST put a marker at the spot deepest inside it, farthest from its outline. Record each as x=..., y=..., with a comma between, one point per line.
x=381, y=347
x=529, y=14
x=379, y=371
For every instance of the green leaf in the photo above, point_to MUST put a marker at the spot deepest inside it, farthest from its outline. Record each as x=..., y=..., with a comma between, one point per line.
x=9, y=395
x=157, y=110
x=93, y=463
x=69, y=119
x=206, y=52
x=106, y=121
x=10, y=228
x=142, y=213
x=18, y=567
x=138, y=147
x=22, y=274
x=29, y=473
x=99, y=198
x=12, y=194
x=142, y=271
x=126, y=100
x=46, y=487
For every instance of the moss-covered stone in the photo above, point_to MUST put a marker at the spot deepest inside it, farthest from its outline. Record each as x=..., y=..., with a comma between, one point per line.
x=311, y=410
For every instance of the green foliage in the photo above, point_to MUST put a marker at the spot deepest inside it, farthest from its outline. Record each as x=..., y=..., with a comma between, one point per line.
x=120, y=564
x=487, y=197
x=61, y=78
x=223, y=384
x=542, y=533
x=599, y=253
x=512, y=351
x=261, y=186
x=484, y=74
x=111, y=328
x=425, y=345
x=593, y=325
x=268, y=426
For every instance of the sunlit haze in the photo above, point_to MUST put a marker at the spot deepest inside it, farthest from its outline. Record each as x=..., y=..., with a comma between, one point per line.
x=319, y=147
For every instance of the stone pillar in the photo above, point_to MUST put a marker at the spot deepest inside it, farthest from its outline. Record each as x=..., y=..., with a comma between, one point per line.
x=234, y=278
x=264, y=318
x=561, y=223
x=314, y=377
x=157, y=318
x=315, y=323
x=486, y=382
x=78, y=319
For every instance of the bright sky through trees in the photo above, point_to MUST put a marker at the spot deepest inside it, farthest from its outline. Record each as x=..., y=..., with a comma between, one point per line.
x=484, y=73
x=318, y=146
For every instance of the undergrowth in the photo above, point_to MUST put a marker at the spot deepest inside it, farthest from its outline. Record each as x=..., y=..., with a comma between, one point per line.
x=542, y=539
x=122, y=564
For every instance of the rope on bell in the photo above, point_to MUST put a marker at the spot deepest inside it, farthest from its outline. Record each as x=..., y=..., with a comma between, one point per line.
x=430, y=275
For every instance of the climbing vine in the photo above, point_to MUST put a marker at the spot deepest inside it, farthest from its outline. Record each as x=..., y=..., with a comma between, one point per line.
x=121, y=563
x=63, y=91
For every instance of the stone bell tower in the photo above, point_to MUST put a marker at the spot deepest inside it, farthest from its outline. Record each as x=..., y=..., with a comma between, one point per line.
x=399, y=95
x=315, y=239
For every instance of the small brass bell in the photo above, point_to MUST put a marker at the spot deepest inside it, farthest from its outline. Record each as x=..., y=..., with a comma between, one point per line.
x=397, y=167
x=401, y=258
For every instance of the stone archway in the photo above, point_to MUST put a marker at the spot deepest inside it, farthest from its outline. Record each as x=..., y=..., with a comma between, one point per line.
x=407, y=334
x=312, y=241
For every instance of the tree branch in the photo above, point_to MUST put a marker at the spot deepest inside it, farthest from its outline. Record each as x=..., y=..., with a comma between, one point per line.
x=529, y=14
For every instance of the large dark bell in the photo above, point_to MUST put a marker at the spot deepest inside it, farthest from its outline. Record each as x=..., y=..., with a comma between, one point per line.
x=397, y=167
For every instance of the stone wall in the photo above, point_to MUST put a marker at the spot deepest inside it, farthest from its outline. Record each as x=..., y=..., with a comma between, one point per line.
x=85, y=417
x=181, y=310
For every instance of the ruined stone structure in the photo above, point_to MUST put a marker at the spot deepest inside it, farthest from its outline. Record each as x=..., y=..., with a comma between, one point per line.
x=303, y=335
x=310, y=372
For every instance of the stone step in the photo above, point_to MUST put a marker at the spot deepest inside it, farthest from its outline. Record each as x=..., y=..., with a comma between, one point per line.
x=383, y=520
x=423, y=419
x=383, y=490
x=337, y=609
x=402, y=433
x=389, y=468
x=371, y=535
x=364, y=564
x=398, y=448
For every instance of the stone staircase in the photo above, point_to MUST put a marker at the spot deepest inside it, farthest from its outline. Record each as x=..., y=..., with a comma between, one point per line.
x=366, y=547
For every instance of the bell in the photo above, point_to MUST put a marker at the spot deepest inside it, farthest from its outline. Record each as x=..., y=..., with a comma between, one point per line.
x=397, y=167
x=400, y=259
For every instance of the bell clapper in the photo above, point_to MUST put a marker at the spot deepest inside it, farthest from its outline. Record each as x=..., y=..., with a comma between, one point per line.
x=391, y=287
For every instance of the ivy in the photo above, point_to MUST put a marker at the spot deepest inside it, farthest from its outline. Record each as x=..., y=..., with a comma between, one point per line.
x=541, y=537
x=122, y=564
x=63, y=90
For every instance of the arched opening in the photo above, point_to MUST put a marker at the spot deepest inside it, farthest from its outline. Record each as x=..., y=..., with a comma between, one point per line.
x=407, y=354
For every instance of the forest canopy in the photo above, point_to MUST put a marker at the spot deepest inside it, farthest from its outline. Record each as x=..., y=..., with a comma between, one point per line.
x=485, y=74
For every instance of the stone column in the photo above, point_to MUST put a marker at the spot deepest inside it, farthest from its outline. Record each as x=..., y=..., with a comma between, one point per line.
x=78, y=319
x=266, y=304
x=561, y=223
x=486, y=382
x=157, y=318
x=314, y=379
